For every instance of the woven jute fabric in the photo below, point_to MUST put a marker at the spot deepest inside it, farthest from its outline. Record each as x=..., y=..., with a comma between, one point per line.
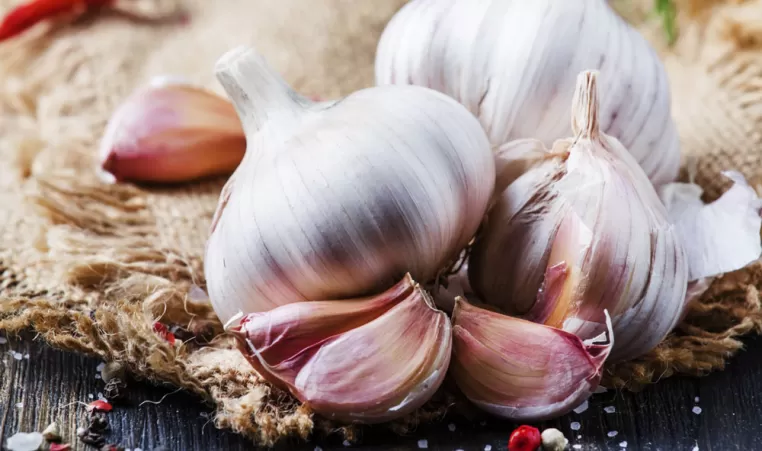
x=91, y=266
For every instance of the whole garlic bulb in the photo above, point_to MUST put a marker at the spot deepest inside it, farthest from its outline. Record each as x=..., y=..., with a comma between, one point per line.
x=338, y=199
x=513, y=63
x=581, y=233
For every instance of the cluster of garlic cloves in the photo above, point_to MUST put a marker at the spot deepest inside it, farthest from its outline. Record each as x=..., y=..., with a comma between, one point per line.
x=363, y=360
x=171, y=131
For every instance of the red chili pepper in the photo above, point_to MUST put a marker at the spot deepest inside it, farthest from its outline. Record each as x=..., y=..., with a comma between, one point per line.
x=162, y=330
x=99, y=405
x=524, y=438
x=60, y=447
x=29, y=14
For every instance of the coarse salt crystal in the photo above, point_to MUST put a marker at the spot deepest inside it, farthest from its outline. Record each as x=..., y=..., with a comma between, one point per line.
x=423, y=444
x=695, y=448
x=100, y=396
x=579, y=437
x=696, y=399
x=451, y=427
x=3, y=340
x=346, y=443
x=19, y=405
x=613, y=433
x=26, y=356
x=623, y=444
x=697, y=410
x=81, y=430
x=581, y=408
x=18, y=355
x=609, y=409
x=317, y=448
x=100, y=367
x=575, y=426
x=90, y=396
x=577, y=446
x=487, y=447
x=97, y=376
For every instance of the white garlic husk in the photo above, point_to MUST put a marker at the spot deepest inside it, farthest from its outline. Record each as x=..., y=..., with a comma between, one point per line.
x=513, y=64
x=339, y=199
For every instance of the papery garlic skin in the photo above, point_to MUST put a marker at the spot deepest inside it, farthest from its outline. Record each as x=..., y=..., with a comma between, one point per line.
x=365, y=360
x=521, y=370
x=335, y=200
x=581, y=233
x=171, y=132
x=513, y=64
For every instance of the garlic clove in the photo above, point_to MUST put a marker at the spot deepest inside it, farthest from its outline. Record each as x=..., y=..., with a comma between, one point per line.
x=522, y=370
x=171, y=132
x=365, y=360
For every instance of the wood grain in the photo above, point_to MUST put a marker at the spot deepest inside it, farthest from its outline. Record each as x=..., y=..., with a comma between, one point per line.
x=50, y=385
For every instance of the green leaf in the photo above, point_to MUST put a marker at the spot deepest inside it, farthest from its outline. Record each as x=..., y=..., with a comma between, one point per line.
x=668, y=12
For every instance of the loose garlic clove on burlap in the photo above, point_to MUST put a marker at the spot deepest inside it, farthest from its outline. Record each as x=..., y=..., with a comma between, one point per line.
x=171, y=132
x=363, y=360
x=336, y=200
x=512, y=63
x=521, y=370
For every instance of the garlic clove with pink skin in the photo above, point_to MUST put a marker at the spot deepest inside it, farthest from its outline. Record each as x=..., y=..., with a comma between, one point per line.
x=171, y=132
x=364, y=360
x=521, y=370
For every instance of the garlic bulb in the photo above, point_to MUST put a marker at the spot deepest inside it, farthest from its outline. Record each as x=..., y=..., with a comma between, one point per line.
x=171, y=131
x=513, y=63
x=362, y=360
x=582, y=232
x=339, y=199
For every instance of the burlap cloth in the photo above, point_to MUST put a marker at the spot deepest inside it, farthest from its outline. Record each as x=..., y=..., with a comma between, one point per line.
x=90, y=266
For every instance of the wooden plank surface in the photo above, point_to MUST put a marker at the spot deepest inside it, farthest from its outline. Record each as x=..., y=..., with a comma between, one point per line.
x=49, y=384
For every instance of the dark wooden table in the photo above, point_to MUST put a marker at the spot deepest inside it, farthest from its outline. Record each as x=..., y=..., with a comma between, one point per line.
x=46, y=384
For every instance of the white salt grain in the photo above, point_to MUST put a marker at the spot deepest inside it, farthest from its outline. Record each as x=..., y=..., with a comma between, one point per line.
x=623, y=444
x=90, y=396
x=3, y=340
x=346, y=443
x=581, y=408
x=579, y=437
x=81, y=431
x=100, y=396
x=613, y=433
x=423, y=444
x=22, y=441
x=487, y=447
x=100, y=367
x=696, y=399
x=18, y=356
x=697, y=410
x=97, y=376
x=26, y=356
x=695, y=448
x=451, y=427
x=575, y=426
x=19, y=405
x=578, y=446
x=609, y=409
x=317, y=448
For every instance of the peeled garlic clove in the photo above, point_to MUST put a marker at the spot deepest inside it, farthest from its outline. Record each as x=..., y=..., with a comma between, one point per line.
x=172, y=132
x=359, y=191
x=521, y=370
x=513, y=65
x=363, y=360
